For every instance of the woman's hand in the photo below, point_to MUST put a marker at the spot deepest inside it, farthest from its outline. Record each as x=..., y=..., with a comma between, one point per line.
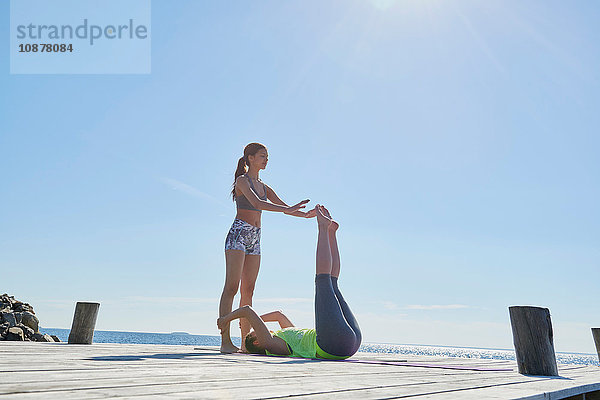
x=296, y=207
x=222, y=323
x=311, y=214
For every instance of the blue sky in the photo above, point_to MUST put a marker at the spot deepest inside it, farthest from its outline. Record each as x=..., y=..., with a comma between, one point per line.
x=456, y=143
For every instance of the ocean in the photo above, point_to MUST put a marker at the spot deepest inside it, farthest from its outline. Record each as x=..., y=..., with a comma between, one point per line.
x=408, y=349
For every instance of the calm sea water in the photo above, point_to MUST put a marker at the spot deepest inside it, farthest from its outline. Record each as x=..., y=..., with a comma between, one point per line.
x=206, y=340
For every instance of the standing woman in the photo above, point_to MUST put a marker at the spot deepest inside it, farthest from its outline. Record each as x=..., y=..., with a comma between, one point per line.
x=242, y=246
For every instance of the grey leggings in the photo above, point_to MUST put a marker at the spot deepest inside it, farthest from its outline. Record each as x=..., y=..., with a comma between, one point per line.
x=337, y=330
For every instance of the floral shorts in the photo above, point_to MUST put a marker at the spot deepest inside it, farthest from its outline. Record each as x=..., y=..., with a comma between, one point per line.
x=243, y=236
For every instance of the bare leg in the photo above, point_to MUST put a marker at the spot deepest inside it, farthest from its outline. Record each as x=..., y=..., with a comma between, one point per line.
x=234, y=264
x=249, y=275
x=324, y=259
x=335, y=273
x=335, y=254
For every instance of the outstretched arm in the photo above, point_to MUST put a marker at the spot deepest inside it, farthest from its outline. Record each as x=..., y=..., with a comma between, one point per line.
x=277, y=316
x=259, y=204
x=265, y=339
x=272, y=196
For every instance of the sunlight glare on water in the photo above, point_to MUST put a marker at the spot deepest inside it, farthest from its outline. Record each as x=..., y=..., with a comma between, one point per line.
x=417, y=350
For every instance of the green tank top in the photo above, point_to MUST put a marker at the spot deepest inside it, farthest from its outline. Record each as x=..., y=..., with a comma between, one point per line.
x=302, y=342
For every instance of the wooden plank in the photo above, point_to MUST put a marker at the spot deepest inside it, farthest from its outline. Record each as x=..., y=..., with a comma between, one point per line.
x=269, y=388
x=36, y=370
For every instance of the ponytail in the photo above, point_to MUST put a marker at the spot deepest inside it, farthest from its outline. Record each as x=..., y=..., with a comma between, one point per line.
x=241, y=170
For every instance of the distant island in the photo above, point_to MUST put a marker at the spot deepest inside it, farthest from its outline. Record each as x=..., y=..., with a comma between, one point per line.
x=179, y=333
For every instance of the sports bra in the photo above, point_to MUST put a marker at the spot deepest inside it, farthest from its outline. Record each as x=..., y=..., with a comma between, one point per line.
x=243, y=203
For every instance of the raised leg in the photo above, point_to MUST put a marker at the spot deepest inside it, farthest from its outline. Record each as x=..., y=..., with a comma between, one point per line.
x=335, y=273
x=324, y=260
x=335, y=253
x=234, y=264
x=334, y=334
x=348, y=315
x=249, y=275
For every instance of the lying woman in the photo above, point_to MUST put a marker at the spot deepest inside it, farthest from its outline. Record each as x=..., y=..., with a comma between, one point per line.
x=336, y=336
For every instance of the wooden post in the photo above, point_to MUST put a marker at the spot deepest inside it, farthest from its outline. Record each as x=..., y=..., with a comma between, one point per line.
x=84, y=322
x=533, y=339
x=596, y=335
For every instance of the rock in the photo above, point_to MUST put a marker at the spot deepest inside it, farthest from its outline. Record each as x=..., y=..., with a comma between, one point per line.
x=15, y=334
x=37, y=337
x=55, y=338
x=22, y=307
x=30, y=320
x=20, y=316
x=40, y=337
x=8, y=317
x=27, y=331
x=27, y=308
x=4, y=330
x=7, y=299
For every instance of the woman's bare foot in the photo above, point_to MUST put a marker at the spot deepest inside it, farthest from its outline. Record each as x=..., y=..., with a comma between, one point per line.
x=322, y=219
x=226, y=345
x=334, y=224
x=228, y=348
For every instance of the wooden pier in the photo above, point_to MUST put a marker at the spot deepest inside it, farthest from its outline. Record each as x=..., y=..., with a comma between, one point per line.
x=63, y=371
